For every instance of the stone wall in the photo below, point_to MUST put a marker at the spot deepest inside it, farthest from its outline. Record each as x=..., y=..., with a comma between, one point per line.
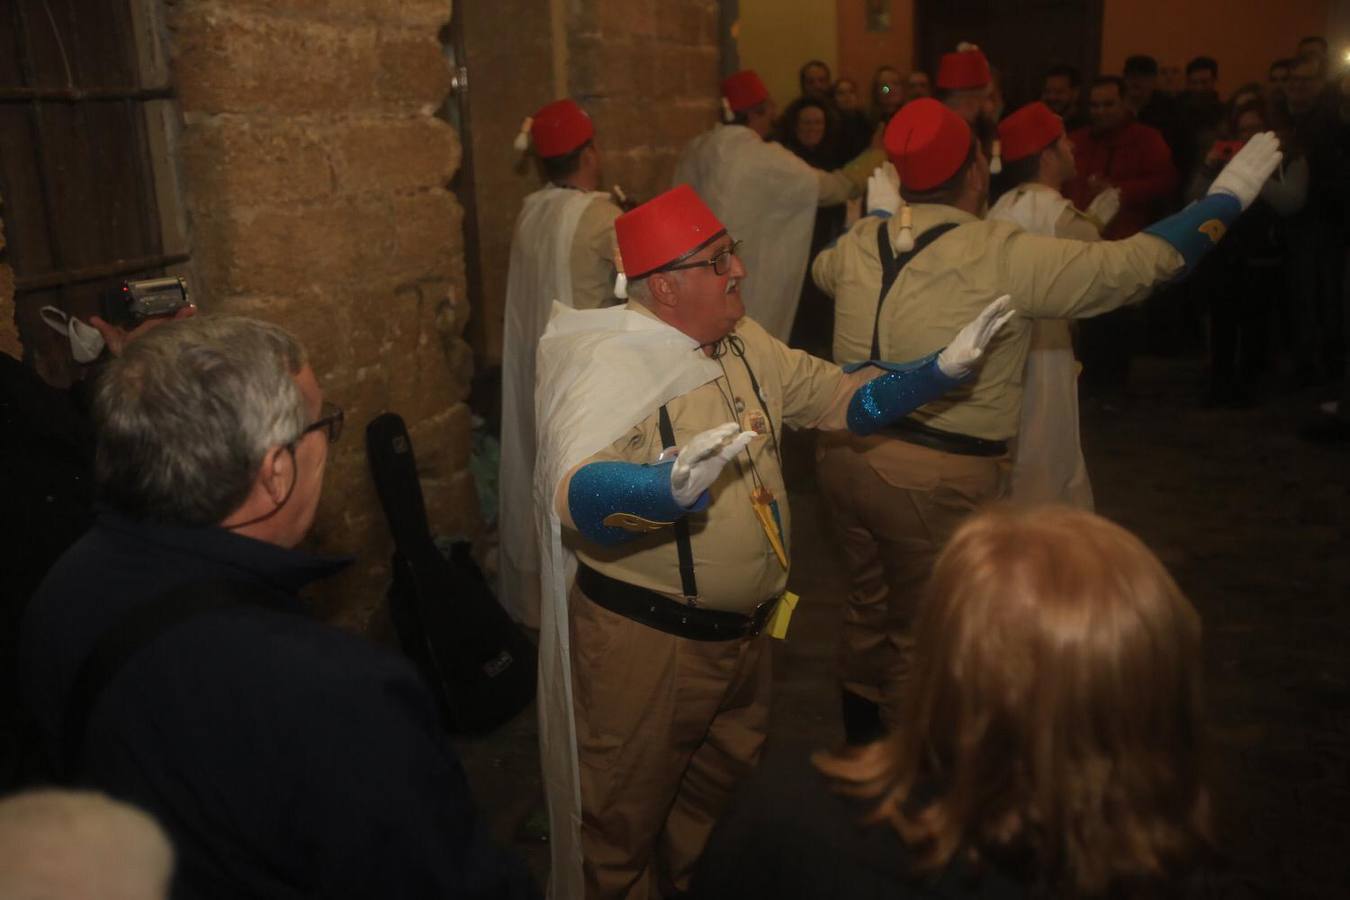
x=647, y=71
x=315, y=174
x=9, y=330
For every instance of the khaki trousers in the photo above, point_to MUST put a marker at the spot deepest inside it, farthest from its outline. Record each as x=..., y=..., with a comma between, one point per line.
x=893, y=506
x=666, y=729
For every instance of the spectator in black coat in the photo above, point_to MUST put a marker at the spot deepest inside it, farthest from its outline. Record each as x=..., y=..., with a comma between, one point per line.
x=169, y=662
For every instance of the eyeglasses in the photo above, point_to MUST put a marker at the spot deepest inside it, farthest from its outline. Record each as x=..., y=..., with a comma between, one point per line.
x=720, y=262
x=329, y=421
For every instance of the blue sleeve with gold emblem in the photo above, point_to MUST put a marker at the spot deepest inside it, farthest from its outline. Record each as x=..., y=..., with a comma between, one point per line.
x=614, y=502
x=1198, y=228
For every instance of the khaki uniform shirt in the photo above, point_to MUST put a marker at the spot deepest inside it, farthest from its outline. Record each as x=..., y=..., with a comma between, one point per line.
x=592, y=257
x=946, y=285
x=734, y=563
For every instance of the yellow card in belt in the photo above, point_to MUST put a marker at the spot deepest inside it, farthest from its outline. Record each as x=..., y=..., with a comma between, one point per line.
x=761, y=500
x=778, y=625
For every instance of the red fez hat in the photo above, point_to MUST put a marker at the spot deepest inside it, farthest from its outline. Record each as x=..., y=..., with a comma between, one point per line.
x=1029, y=131
x=559, y=128
x=744, y=90
x=963, y=70
x=927, y=143
x=663, y=229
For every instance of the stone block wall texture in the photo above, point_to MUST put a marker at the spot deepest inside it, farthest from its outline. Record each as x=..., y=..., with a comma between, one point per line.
x=316, y=180
x=646, y=70
x=9, y=331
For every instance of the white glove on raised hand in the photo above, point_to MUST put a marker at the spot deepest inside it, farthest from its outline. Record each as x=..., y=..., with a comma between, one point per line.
x=965, y=350
x=883, y=189
x=1249, y=168
x=1104, y=206
x=702, y=459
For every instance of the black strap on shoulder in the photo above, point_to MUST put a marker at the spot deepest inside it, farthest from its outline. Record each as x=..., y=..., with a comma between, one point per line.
x=891, y=266
x=120, y=643
x=687, y=581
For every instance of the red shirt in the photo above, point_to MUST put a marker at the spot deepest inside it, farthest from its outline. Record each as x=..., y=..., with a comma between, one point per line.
x=1135, y=159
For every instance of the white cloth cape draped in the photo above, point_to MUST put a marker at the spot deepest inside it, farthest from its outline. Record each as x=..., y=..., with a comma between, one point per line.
x=600, y=372
x=1049, y=465
x=766, y=197
x=541, y=273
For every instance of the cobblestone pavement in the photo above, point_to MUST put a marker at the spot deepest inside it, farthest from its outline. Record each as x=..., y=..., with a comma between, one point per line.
x=1252, y=523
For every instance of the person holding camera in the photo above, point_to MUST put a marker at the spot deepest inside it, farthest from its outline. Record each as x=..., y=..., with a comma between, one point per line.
x=169, y=662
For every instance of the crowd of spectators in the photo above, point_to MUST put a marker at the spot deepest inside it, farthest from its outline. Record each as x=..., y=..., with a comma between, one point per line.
x=1269, y=311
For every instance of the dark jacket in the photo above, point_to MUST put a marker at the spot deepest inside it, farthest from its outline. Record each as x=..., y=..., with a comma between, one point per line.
x=789, y=836
x=284, y=757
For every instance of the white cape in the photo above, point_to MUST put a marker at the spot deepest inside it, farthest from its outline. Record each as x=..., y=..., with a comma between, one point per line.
x=766, y=197
x=1048, y=466
x=541, y=273
x=600, y=372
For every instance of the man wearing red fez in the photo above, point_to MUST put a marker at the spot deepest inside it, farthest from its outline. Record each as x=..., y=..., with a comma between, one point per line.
x=767, y=196
x=1048, y=465
x=563, y=250
x=903, y=285
x=966, y=84
x=659, y=429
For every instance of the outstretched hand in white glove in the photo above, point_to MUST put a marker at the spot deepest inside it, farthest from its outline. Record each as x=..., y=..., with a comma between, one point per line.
x=883, y=189
x=702, y=459
x=1104, y=206
x=960, y=357
x=1249, y=168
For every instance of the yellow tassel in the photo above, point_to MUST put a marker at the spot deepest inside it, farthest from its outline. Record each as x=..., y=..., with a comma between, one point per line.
x=904, y=241
x=996, y=163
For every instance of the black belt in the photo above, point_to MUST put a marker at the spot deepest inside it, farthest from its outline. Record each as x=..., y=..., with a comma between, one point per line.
x=947, y=441
x=664, y=614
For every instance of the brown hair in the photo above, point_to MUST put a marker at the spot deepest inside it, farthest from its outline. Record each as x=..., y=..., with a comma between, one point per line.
x=1052, y=720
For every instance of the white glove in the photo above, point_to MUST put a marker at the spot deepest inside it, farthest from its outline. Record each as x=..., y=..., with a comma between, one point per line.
x=965, y=350
x=1104, y=206
x=702, y=459
x=883, y=189
x=1249, y=168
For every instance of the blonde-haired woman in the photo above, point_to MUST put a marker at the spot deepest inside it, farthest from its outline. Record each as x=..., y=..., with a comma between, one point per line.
x=1048, y=746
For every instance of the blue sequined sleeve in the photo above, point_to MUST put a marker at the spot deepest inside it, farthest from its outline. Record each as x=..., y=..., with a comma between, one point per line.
x=602, y=494
x=1196, y=229
x=904, y=388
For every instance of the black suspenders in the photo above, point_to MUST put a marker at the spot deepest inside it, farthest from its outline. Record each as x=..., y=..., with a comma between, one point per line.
x=891, y=266
x=688, y=583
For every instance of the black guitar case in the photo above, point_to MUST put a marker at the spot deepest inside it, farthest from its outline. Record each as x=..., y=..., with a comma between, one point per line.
x=478, y=663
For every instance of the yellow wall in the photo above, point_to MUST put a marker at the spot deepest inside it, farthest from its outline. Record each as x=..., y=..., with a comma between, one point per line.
x=777, y=36
x=1244, y=36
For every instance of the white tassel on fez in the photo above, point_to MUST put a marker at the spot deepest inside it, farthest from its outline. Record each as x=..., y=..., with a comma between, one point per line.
x=996, y=157
x=727, y=115
x=522, y=141
x=620, y=280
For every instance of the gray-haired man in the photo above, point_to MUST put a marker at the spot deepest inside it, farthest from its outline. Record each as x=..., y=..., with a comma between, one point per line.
x=170, y=663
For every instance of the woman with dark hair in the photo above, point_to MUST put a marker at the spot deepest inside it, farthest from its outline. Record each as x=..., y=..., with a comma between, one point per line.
x=1050, y=745
x=855, y=129
x=809, y=129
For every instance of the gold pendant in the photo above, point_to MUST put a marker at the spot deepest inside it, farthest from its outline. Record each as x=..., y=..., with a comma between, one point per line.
x=762, y=501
